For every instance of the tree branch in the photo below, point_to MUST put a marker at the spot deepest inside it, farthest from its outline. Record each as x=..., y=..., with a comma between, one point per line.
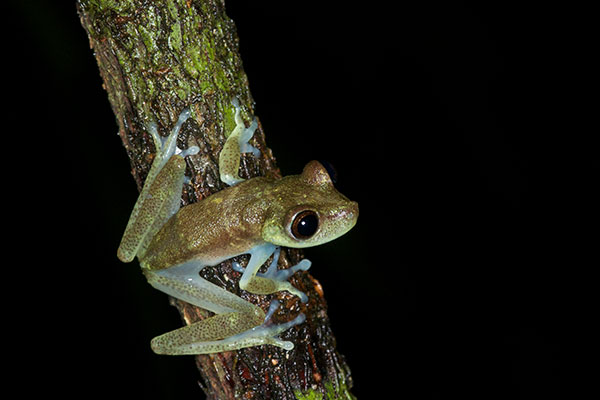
x=155, y=58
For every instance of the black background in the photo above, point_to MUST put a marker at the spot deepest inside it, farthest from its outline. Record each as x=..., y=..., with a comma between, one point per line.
x=453, y=124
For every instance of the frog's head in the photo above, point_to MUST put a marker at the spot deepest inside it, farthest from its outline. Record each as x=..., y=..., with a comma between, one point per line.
x=306, y=210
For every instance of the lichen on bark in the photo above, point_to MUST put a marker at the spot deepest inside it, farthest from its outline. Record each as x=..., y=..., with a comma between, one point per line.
x=155, y=58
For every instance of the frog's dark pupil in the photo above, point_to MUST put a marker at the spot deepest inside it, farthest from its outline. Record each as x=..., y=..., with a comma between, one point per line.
x=305, y=224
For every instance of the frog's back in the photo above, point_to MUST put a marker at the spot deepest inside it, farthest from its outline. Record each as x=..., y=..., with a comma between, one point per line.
x=212, y=230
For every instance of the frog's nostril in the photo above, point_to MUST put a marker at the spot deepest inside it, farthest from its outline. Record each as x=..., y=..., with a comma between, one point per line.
x=349, y=212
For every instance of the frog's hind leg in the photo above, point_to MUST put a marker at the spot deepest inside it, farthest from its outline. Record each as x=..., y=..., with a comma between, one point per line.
x=238, y=323
x=161, y=195
x=225, y=332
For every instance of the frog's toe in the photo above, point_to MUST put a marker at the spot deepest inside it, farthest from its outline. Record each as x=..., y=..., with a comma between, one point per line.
x=183, y=116
x=190, y=151
x=238, y=267
x=296, y=292
x=159, y=141
x=248, y=148
x=284, y=274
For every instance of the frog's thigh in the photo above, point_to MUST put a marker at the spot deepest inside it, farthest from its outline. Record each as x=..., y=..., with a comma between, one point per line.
x=206, y=336
x=158, y=201
x=184, y=282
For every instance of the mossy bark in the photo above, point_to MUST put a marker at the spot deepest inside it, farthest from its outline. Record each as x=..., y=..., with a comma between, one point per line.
x=155, y=58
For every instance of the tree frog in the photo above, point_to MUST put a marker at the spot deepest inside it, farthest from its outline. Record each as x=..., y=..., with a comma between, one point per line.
x=253, y=216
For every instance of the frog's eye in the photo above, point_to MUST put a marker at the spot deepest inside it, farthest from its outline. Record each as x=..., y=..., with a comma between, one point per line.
x=305, y=224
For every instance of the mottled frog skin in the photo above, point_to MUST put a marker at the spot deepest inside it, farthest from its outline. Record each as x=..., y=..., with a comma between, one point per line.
x=254, y=216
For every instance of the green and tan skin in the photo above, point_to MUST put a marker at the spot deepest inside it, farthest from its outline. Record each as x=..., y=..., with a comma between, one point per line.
x=253, y=216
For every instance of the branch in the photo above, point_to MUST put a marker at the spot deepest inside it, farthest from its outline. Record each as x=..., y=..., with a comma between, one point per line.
x=155, y=58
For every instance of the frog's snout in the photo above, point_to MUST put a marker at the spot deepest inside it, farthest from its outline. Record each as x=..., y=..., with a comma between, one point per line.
x=348, y=214
x=353, y=210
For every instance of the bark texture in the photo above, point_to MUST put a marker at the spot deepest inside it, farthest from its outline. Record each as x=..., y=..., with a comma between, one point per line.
x=155, y=58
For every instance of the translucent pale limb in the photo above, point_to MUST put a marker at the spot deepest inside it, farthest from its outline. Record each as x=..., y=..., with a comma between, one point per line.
x=238, y=323
x=273, y=280
x=160, y=196
x=235, y=145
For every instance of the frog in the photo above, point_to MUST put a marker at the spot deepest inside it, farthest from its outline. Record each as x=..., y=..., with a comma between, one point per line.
x=255, y=217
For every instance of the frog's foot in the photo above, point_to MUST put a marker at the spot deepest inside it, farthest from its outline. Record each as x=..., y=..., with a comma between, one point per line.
x=237, y=143
x=167, y=146
x=266, y=333
x=190, y=151
x=245, y=137
x=278, y=279
x=246, y=133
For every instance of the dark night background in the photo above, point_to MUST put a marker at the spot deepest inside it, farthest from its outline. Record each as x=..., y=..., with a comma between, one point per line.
x=451, y=123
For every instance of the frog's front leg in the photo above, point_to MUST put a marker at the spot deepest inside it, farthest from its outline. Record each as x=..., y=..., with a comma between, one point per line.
x=273, y=280
x=238, y=323
x=236, y=143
